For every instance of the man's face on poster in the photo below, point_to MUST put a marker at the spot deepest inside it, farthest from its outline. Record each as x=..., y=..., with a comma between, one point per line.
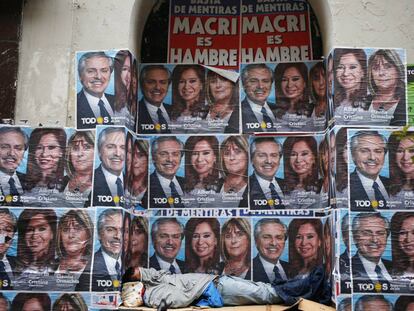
x=112, y=152
x=167, y=158
x=271, y=241
x=369, y=155
x=155, y=86
x=110, y=235
x=258, y=85
x=96, y=75
x=266, y=159
x=167, y=241
x=11, y=151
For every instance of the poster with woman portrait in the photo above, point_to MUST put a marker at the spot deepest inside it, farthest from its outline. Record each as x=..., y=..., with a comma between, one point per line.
x=187, y=99
x=199, y=172
x=71, y=301
x=106, y=87
x=287, y=247
x=370, y=86
x=380, y=169
x=283, y=97
x=286, y=172
x=136, y=173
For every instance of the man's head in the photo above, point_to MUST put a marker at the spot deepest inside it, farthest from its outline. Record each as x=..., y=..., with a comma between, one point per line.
x=270, y=236
x=370, y=232
x=167, y=235
x=368, y=149
x=166, y=155
x=13, y=143
x=111, y=147
x=110, y=231
x=154, y=81
x=373, y=303
x=8, y=227
x=265, y=155
x=94, y=69
x=257, y=82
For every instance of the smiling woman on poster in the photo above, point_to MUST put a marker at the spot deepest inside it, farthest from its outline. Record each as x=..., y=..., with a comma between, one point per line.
x=74, y=249
x=402, y=239
x=293, y=107
x=138, y=177
x=202, y=245
x=318, y=86
x=36, y=249
x=137, y=255
x=234, y=159
x=386, y=82
x=401, y=153
x=301, y=171
x=223, y=99
x=350, y=85
x=122, y=79
x=45, y=166
x=189, y=104
x=305, y=246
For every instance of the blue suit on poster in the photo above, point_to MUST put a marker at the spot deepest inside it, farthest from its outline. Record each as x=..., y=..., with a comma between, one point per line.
x=144, y=118
x=102, y=281
x=156, y=265
x=85, y=111
x=259, y=273
x=101, y=188
x=156, y=190
x=248, y=116
x=256, y=193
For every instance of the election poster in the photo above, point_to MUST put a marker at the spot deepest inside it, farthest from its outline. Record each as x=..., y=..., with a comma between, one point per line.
x=106, y=87
x=370, y=86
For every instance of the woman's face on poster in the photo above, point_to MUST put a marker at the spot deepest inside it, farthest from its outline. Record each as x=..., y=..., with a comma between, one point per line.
x=126, y=72
x=236, y=242
x=203, y=158
x=293, y=83
x=384, y=73
x=302, y=159
x=189, y=85
x=235, y=159
x=32, y=304
x=75, y=237
x=307, y=242
x=81, y=155
x=138, y=240
x=139, y=163
x=48, y=152
x=319, y=84
x=404, y=156
x=221, y=88
x=204, y=242
x=38, y=236
x=406, y=237
x=349, y=72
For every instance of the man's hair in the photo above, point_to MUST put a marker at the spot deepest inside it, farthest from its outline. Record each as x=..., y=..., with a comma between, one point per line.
x=156, y=142
x=8, y=305
x=148, y=68
x=260, y=140
x=360, y=134
x=88, y=55
x=344, y=304
x=359, y=305
x=106, y=131
x=357, y=219
x=265, y=221
x=18, y=130
x=246, y=69
x=107, y=213
x=6, y=211
x=162, y=221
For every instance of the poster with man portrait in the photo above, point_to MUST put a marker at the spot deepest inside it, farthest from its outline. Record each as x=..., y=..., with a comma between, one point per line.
x=379, y=166
x=283, y=97
x=186, y=99
x=369, y=86
x=106, y=87
x=198, y=172
x=288, y=172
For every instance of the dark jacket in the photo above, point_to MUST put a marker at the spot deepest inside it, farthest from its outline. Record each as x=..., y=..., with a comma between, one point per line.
x=256, y=193
x=156, y=191
x=145, y=118
x=85, y=111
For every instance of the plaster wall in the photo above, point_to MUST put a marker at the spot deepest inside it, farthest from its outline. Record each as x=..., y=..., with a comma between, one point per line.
x=53, y=30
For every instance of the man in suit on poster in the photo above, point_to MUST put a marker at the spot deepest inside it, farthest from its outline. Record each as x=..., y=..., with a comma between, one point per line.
x=257, y=82
x=164, y=184
x=167, y=235
x=370, y=233
x=368, y=149
x=270, y=235
x=109, y=177
x=94, y=70
x=107, y=260
x=8, y=228
x=13, y=143
x=265, y=155
x=154, y=114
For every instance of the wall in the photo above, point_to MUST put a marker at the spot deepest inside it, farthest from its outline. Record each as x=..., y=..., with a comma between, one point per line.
x=54, y=30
